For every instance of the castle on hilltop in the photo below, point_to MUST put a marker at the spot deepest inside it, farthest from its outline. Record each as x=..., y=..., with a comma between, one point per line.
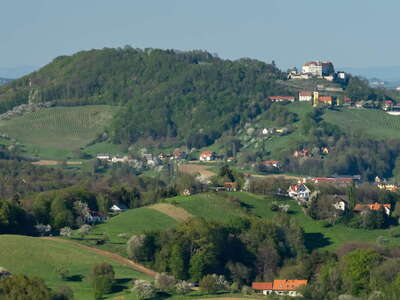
x=318, y=69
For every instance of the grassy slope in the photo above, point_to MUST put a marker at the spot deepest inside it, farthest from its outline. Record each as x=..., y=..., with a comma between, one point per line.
x=376, y=123
x=33, y=256
x=54, y=133
x=317, y=236
x=211, y=206
x=134, y=221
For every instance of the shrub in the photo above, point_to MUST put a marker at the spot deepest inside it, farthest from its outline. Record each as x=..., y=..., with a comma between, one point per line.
x=143, y=289
x=62, y=272
x=211, y=284
x=183, y=287
x=84, y=230
x=63, y=293
x=164, y=282
x=66, y=231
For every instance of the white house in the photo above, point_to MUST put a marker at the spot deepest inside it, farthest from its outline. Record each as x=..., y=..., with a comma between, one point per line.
x=120, y=207
x=299, y=192
x=318, y=68
x=103, y=156
x=305, y=96
x=340, y=202
x=94, y=217
x=280, y=287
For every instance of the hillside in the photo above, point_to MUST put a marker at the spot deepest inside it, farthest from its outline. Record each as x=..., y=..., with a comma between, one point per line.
x=55, y=133
x=46, y=255
x=192, y=96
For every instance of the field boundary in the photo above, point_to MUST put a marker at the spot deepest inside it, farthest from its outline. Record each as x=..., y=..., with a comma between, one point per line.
x=177, y=213
x=115, y=257
x=191, y=168
x=55, y=163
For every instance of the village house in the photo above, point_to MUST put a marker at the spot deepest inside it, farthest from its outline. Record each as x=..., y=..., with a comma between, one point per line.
x=281, y=98
x=340, y=202
x=119, y=159
x=280, y=287
x=327, y=100
x=342, y=181
x=119, y=207
x=305, y=96
x=271, y=163
x=179, y=155
x=299, y=192
x=94, y=217
x=231, y=186
x=388, y=186
x=207, y=156
x=387, y=105
x=325, y=150
x=362, y=208
x=4, y=273
x=302, y=153
x=102, y=156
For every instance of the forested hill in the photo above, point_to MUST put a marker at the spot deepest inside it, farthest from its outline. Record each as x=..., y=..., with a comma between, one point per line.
x=168, y=94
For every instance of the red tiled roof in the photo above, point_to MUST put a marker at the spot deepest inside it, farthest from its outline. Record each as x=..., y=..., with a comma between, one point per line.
x=325, y=99
x=374, y=206
x=333, y=180
x=262, y=285
x=288, y=285
x=305, y=94
x=271, y=162
x=206, y=153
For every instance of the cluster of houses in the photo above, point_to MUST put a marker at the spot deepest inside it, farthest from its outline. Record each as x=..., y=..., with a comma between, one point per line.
x=280, y=287
x=316, y=98
x=301, y=193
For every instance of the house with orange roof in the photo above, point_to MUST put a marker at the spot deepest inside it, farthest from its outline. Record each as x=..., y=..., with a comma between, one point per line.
x=362, y=208
x=231, y=186
x=305, y=96
x=271, y=163
x=280, y=287
x=207, y=156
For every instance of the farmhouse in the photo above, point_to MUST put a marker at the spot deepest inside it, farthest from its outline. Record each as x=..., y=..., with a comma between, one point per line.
x=388, y=186
x=361, y=208
x=281, y=98
x=230, y=186
x=340, y=202
x=334, y=180
x=94, y=217
x=207, y=156
x=302, y=153
x=280, y=287
x=179, y=155
x=103, y=156
x=305, y=96
x=327, y=100
x=4, y=273
x=119, y=207
x=299, y=192
x=271, y=163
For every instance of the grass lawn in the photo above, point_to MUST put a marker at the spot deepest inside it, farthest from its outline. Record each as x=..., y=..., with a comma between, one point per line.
x=37, y=257
x=210, y=206
x=54, y=133
x=375, y=123
x=130, y=222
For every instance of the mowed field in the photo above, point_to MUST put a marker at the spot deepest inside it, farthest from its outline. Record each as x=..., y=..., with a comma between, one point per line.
x=38, y=257
x=375, y=123
x=53, y=133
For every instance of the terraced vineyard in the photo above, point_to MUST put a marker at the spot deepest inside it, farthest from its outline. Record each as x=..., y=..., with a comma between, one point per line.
x=375, y=123
x=54, y=132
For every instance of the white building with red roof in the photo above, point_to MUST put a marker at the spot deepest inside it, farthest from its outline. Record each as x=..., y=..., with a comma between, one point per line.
x=299, y=192
x=207, y=156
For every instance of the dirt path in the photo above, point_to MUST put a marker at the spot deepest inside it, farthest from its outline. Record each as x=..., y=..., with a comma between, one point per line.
x=193, y=169
x=117, y=258
x=54, y=163
x=177, y=213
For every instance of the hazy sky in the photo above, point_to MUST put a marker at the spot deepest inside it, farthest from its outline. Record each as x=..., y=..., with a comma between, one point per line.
x=351, y=33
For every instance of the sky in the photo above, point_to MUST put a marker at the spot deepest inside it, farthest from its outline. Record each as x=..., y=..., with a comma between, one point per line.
x=351, y=33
